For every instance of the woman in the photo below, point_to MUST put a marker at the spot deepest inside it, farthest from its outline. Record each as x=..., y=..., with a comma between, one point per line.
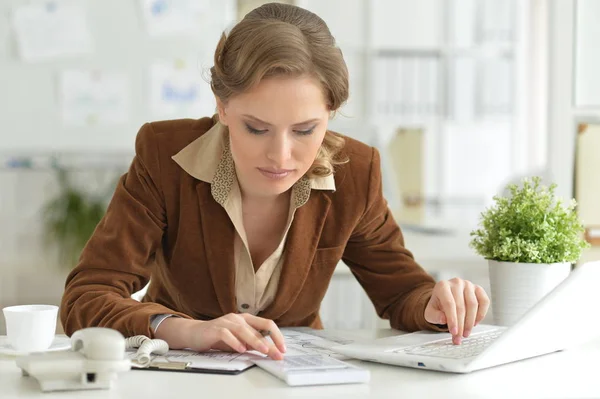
x=240, y=219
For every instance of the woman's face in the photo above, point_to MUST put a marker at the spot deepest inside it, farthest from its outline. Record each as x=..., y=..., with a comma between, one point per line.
x=275, y=132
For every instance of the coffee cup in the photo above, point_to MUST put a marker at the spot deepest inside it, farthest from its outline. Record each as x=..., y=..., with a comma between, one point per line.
x=30, y=328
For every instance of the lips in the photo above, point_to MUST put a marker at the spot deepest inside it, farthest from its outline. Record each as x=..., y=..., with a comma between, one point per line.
x=275, y=173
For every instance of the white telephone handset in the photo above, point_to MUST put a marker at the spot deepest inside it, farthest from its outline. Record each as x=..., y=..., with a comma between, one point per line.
x=97, y=355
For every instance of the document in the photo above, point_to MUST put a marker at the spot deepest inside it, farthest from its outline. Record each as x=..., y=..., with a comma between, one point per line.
x=49, y=29
x=298, y=341
x=90, y=97
x=177, y=90
x=168, y=17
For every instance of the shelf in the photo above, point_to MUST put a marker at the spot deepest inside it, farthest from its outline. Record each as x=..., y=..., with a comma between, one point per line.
x=406, y=52
x=477, y=52
x=20, y=161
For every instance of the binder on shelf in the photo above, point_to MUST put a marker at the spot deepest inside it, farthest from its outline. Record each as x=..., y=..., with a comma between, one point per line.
x=406, y=153
x=587, y=180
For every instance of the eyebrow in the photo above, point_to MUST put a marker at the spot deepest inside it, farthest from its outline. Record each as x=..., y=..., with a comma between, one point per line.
x=268, y=124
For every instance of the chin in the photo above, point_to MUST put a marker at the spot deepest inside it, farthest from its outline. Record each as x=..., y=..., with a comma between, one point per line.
x=275, y=188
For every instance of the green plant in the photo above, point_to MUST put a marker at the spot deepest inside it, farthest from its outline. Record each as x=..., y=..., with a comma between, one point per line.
x=530, y=226
x=70, y=218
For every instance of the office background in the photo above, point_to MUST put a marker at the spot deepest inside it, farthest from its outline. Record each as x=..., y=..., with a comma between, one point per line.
x=460, y=96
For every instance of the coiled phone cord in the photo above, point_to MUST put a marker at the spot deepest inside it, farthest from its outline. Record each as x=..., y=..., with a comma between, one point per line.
x=145, y=347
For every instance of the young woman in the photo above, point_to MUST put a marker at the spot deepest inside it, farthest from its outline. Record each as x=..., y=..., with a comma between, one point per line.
x=239, y=220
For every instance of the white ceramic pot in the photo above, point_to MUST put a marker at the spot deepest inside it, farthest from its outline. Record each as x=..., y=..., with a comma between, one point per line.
x=516, y=287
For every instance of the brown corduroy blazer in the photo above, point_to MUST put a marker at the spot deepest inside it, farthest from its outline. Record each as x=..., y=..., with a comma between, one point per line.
x=164, y=226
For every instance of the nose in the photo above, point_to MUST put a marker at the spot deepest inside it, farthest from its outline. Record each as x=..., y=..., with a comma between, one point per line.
x=280, y=149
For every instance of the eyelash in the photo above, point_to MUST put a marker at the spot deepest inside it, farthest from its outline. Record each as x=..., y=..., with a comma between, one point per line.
x=259, y=132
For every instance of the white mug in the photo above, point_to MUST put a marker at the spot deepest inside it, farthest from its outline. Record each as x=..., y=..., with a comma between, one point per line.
x=30, y=328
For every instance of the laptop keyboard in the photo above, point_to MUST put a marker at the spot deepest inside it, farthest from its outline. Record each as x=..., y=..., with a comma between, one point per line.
x=469, y=347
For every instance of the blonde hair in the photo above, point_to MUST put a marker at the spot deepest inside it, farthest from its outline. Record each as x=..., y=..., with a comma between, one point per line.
x=284, y=40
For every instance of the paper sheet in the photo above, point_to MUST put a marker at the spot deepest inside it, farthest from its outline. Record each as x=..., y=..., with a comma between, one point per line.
x=49, y=29
x=167, y=17
x=177, y=90
x=89, y=97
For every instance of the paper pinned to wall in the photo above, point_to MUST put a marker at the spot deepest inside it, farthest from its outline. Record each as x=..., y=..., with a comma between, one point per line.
x=89, y=97
x=51, y=29
x=167, y=17
x=177, y=90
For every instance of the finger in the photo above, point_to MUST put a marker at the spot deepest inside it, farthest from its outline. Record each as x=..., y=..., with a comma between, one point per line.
x=263, y=324
x=471, y=308
x=246, y=334
x=253, y=338
x=446, y=300
x=484, y=304
x=459, y=299
x=226, y=336
x=272, y=351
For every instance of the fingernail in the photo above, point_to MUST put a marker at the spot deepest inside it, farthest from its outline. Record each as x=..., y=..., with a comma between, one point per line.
x=284, y=348
x=466, y=333
x=264, y=348
x=457, y=340
x=454, y=331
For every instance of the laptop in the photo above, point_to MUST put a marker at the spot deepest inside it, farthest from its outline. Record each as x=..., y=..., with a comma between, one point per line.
x=564, y=318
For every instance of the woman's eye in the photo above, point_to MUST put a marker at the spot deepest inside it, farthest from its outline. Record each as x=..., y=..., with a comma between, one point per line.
x=253, y=130
x=305, y=132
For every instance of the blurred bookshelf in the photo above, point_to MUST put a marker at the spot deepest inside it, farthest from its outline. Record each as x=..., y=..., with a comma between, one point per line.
x=448, y=68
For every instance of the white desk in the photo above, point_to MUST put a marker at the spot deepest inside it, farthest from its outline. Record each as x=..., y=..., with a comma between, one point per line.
x=568, y=374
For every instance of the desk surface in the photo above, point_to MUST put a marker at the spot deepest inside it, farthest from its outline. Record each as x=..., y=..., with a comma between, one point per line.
x=568, y=374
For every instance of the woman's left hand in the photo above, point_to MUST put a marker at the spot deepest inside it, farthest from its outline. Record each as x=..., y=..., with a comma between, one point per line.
x=458, y=303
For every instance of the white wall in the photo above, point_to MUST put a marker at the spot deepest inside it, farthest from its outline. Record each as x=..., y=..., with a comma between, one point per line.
x=587, y=57
x=573, y=87
x=571, y=34
x=406, y=24
x=29, y=106
x=561, y=145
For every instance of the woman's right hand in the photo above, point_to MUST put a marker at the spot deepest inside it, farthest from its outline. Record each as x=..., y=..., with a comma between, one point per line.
x=232, y=332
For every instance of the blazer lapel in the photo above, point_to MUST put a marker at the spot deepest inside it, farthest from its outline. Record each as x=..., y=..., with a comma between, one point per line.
x=218, y=233
x=300, y=248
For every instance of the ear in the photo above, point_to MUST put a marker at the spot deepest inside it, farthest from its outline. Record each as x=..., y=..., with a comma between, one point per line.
x=221, y=110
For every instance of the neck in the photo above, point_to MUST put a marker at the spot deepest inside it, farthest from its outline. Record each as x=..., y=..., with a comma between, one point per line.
x=266, y=202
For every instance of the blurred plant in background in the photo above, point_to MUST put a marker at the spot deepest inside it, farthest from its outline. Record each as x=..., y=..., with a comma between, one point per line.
x=70, y=218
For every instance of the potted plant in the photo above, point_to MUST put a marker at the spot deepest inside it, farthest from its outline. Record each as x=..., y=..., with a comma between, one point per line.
x=70, y=218
x=531, y=240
